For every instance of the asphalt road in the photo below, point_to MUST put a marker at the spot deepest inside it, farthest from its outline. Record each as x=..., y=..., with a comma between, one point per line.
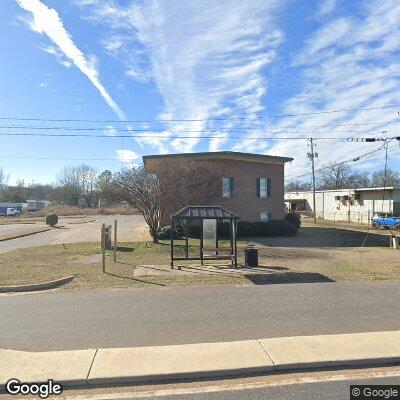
x=130, y=228
x=339, y=390
x=160, y=316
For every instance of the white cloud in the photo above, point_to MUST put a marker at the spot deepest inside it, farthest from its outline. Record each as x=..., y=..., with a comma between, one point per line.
x=44, y=84
x=207, y=58
x=325, y=7
x=46, y=21
x=114, y=43
x=110, y=130
x=60, y=57
x=345, y=64
x=127, y=156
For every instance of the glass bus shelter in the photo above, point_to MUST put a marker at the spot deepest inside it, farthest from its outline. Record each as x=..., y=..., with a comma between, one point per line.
x=207, y=219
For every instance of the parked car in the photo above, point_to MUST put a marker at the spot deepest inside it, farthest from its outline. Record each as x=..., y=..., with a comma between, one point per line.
x=386, y=220
x=13, y=212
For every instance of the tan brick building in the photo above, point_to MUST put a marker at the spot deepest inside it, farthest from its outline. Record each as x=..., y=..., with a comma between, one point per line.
x=252, y=185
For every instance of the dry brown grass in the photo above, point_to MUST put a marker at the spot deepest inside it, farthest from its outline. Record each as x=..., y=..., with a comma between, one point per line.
x=74, y=210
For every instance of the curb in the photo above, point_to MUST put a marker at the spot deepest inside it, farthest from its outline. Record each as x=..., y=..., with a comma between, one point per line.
x=24, y=234
x=155, y=364
x=36, y=286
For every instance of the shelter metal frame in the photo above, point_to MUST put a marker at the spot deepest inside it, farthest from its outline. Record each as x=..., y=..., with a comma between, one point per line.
x=200, y=213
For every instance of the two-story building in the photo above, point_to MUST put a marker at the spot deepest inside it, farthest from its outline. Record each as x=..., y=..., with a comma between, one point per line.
x=251, y=185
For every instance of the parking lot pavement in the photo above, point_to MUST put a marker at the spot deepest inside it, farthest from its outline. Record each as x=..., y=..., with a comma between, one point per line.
x=130, y=228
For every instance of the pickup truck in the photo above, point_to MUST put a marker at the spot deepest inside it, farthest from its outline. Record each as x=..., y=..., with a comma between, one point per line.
x=386, y=220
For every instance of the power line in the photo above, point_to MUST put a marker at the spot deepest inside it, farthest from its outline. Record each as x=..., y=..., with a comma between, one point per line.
x=354, y=159
x=69, y=135
x=57, y=158
x=205, y=119
x=69, y=128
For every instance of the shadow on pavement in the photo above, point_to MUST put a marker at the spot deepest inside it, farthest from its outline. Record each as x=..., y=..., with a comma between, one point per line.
x=287, y=277
x=133, y=279
x=124, y=249
x=326, y=237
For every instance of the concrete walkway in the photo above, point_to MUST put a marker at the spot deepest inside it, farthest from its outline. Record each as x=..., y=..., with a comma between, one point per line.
x=160, y=363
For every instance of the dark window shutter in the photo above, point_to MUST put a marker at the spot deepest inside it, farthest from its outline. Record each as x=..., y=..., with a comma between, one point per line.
x=258, y=187
x=231, y=187
x=269, y=216
x=268, y=187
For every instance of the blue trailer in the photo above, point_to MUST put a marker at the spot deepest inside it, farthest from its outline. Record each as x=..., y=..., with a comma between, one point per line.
x=386, y=220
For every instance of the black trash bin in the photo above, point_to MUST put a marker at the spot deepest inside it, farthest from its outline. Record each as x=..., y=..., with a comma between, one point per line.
x=251, y=256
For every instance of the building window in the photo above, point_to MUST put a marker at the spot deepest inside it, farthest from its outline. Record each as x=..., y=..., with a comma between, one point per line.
x=263, y=187
x=227, y=187
x=265, y=216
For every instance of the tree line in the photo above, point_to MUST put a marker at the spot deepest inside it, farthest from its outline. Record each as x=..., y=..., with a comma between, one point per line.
x=343, y=176
x=72, y=183
x=154, y=193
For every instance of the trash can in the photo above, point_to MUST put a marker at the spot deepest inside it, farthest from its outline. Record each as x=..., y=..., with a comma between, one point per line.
x=251, y=256
x=107, y=237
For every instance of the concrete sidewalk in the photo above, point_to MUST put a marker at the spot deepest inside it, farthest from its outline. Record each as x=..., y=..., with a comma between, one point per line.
x=162, y=363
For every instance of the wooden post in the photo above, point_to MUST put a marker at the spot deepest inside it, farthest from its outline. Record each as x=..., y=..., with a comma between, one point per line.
x=235, y=227
x=115, y=240
x=103, y=246
x=201, y=244
x=231, y=231
x=172, y=243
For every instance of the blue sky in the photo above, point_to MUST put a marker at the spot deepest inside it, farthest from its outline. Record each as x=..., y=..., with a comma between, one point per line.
x=165, y=61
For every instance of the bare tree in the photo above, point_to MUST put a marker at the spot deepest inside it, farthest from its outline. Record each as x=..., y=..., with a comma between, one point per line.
x=3, y=178
x=297, y=186
x=169, y=186
x=340, y=176
x=188, y=182
x=392, y=178
x=75, y=182
x=141, y=190
x=104, y=186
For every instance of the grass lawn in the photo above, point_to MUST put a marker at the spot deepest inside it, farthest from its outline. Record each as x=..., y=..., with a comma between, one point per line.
x=316, y=254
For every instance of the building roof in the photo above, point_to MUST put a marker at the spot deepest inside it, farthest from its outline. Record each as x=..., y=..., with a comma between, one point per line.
x=204, y=212
x=215, y=155
x=376, y=189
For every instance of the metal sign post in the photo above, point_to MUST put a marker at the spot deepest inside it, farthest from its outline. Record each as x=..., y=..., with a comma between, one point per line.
x=103, y=246
x=115, y=240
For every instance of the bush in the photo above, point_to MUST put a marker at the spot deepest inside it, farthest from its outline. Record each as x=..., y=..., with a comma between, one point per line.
x=252, y=229
x=164, y=233
x=270, y=228
x=52, y=219
x=280, y=228
x=294, y=219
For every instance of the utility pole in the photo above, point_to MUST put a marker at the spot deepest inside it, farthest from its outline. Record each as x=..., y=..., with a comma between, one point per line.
x=312, y=155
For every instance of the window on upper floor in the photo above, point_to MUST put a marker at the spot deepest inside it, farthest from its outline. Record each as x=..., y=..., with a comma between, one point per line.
x=227, y=187
x=263, y=187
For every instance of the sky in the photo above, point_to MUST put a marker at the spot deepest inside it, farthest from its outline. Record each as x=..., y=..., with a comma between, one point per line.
x=188, y=76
